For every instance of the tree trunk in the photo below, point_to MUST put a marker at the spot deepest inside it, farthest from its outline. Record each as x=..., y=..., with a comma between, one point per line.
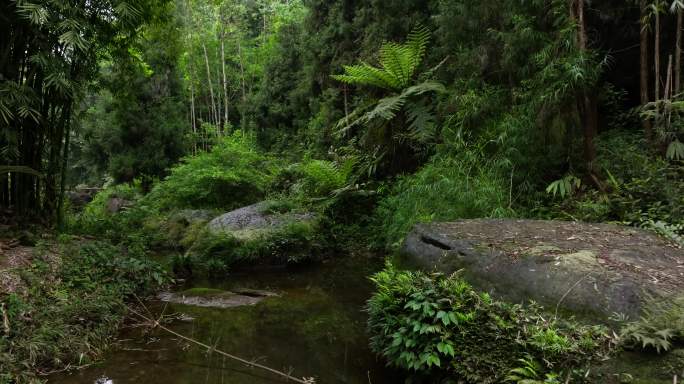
x=643, y=68
x=193, y=118
x=225, y=81
x=211, y=86
x=590, y=101
x=656, y=60
x=219, y=96
x=678, y=53
x=63, y=176
x=668, y=79
x=244, y=94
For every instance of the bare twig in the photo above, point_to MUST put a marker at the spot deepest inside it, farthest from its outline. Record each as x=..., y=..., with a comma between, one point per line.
x=209, y=348
x=568, y=292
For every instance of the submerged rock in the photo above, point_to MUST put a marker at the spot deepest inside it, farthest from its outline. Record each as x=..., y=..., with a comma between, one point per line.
x=216, y=298
x=588, y=269
x=254, y=220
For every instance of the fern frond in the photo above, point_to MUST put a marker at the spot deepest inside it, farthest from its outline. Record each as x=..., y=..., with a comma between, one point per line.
x=395, y=59
x=387, y=108
x=365, y=74
x=418, y=40
x=398, y=64
x=675, y=151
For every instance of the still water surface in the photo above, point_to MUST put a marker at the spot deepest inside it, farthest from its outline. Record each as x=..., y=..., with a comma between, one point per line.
x=316, y=328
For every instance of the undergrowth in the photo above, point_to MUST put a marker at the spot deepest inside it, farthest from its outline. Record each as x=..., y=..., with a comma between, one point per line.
x=630, y=197
x=439, y=327
x=660, y=327
x=465, y=186
x=73, y=303
x=233, y=174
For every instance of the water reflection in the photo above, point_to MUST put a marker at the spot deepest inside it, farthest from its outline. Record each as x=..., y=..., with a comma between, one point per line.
x=316, y=328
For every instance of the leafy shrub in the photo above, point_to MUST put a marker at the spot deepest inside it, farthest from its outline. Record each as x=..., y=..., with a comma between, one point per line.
x=231, y=175
x=320, y=178
x=312, y=179
x=438, y=325
x=660, y=327
x=449, y=187
x=69, y=313
x=96, y=217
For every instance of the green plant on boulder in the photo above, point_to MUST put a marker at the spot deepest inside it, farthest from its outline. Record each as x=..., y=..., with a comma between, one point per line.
x=439, y=326
x=217, y=253
x=660, y=327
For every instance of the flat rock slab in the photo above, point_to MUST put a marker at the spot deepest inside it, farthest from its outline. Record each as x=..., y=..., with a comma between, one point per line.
x=253, y=220
x=215, y=298
x=587, y=269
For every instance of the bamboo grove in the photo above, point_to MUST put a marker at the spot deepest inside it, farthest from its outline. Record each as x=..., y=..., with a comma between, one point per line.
x=49, y=52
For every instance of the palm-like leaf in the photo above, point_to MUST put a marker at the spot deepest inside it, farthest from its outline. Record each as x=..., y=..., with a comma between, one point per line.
x=388, y=107
x=19, y=169
x=398, y=64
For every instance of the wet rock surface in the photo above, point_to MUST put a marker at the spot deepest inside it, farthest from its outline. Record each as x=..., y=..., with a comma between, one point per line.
x=253, y=220
x=216, y=298
x=587, y=269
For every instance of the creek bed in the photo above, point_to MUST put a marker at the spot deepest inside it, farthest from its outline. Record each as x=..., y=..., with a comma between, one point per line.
x=314, y=328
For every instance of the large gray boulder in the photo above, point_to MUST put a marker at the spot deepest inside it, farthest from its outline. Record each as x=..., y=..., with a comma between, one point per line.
x=596, y=270
x=254, y=220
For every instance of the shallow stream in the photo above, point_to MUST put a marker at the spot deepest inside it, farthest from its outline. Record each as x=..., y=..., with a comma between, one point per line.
x=314, y=328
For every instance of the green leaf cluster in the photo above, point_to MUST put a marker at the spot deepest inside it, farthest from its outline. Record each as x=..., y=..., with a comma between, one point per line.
x=440, y=326
x=233, y=174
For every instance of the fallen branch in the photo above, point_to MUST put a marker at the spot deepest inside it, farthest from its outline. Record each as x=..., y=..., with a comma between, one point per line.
x=157, y=324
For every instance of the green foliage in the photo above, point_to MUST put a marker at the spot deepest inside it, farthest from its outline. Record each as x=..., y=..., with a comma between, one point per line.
x=71, y=309
x=631, y=198
x=39, y=89
x=215, y=254
x=660, y=327
x=313, y=179
x=438, y=325
x=465, y=185
x=529, y=373
x=402, y=120
x=398, y=62
x=233, y=174
x=667, y=116
x=117, y=214
x=133, y=127
x=564, y=187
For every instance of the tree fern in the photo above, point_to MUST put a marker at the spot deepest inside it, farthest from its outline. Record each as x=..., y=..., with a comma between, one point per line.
x=386, y=135
x=398, y=64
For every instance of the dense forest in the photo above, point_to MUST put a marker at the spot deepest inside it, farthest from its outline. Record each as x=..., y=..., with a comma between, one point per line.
x=130, y=129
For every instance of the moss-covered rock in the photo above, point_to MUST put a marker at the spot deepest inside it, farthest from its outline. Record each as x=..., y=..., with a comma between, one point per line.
x=255, y=220
x=593, y=270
